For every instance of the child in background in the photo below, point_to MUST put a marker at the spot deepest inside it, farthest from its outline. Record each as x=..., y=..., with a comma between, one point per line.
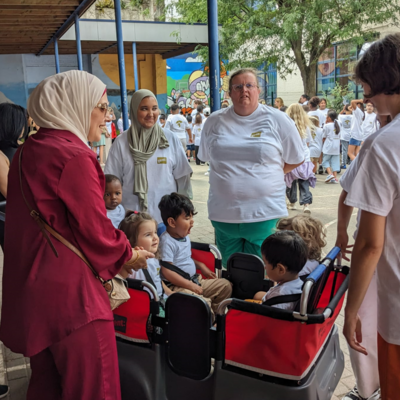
x=316, y=142
x=197, y=128
x=345, y=119
x=357, y=107
x=141, y=230
x=312, y=231
x=284, y=254
x=323, y=109
x=190, y=143
x=112, y=198
x=162, y=121
x=303, y=175
x=177, y=213
x=331, y=147
x=369, y=125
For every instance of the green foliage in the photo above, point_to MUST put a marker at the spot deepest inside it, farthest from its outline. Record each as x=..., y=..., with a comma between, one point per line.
x=288, y=32
x=102, y=4
x=338, y=95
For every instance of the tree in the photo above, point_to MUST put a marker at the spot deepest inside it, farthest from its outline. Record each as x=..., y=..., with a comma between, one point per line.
x=289, y=32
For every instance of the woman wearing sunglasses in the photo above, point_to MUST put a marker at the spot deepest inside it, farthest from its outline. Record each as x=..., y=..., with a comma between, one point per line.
x=249, y=146
x=54, y=309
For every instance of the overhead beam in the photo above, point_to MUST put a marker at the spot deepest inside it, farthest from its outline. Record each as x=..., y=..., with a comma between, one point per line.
x=186, y=49
x=74, y=3
x=27, y=13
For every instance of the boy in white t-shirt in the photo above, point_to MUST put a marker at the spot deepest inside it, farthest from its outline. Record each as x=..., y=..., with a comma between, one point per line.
x=284, y=254
x=177, y=212
x=179, y=125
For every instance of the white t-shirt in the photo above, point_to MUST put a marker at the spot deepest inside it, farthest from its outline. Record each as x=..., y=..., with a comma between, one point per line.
x=178, y=124
x=309, y=267
x=164, y=167
x=316, y=143
x=153, y=266
x=247, y=155
x=120, y=125
x=116, y=216
x=356, y=122
x=306, y=141
x=376, y=189
x=332, y=142
x=369, y=124
x=177, y=252
x=324, y=113
x=291, y=287
x=197, y=133
x=193, y=114
x=321, y=116
x=345, y=126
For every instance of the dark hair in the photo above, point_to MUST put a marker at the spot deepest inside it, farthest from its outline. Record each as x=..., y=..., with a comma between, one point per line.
x=322, y=99
x=173, y=205
x=306, y=96
x=174, y=107
x=13, y=120
x=131, y=223
x=162, y=116
x=198, y=119
x=314, y=101
x=379, y=67
x=111, y=178
x=283, y=108
x=199, y=108
x=332, y=114
x=189, y=118
x=286, y=248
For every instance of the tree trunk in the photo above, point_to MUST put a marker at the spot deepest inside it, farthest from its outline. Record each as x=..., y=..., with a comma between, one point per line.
x=309, y=80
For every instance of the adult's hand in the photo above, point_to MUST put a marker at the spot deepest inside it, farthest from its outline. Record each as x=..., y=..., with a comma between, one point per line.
x=342, y=241
x=136, y=263
x=352, y=333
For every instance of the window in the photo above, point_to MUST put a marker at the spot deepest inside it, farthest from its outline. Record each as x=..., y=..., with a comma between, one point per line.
x=336, y=64
x=267, y=82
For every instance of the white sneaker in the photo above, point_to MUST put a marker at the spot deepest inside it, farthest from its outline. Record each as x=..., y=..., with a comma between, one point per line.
x=292, y=206
x=354, y=395
x=306, y=209
x=329, y=177
x=333, y=181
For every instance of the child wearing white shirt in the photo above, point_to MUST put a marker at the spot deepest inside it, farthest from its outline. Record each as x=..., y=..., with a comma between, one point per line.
x=316, y=142
x=112, y=198
x=197, y=128
x=331, y=147
x=284, y=254
x=345, y=120
x=369, y=124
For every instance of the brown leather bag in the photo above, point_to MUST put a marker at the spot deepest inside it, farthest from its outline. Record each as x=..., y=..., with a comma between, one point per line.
x=115, y=288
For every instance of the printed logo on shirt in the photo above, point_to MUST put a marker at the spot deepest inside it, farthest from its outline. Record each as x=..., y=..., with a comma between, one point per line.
x=256, y=134
x=161, y=160
x=179, y=123
x=120, y=323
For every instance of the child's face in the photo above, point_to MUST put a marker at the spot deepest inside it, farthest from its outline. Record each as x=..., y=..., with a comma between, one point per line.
x=147, y=236
x=370, y=108
x=322, y=105
x=181, y=226
x=276, y=274
x=113, y=195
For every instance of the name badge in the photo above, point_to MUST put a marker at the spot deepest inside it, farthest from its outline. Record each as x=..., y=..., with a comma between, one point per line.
x=256, y=134
x=161, y=160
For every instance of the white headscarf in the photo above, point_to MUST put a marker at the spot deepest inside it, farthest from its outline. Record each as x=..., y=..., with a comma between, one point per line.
x=65, y=101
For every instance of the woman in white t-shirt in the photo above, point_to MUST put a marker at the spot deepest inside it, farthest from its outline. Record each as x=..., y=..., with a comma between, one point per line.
x=314, y=111
x=375, y=191
x=250, y=147
x=369, y=125
x=149, y=160
x=316, y=143
x=345, y=119
x=357, y=135
x=331, y=147
x=303, y=175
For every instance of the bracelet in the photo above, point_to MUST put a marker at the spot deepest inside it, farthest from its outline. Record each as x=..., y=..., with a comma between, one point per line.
x=129, y=263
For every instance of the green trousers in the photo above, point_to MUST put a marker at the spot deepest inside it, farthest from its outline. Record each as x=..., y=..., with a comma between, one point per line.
x=242, y=238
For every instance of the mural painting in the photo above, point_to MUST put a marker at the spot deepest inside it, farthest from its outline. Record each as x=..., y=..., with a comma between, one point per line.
x=188, y=80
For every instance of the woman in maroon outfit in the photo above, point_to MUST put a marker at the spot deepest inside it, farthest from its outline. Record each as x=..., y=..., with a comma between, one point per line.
x=54, y=309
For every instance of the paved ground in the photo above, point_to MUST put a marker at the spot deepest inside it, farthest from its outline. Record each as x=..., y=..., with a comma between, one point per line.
x=14, y=368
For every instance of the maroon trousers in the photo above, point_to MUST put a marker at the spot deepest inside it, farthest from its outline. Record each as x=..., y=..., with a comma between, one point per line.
x=82, y=366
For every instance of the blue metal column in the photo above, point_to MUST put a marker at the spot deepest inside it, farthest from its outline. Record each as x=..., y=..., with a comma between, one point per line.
x=135, y=71
x=213, y=54
x=56, y=55
x=78, y=42
x=121, y=64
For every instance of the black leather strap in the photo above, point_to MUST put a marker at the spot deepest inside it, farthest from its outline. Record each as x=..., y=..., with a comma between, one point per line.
x=288, y=298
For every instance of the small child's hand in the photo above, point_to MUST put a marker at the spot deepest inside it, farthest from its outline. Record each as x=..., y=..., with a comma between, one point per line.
x=196, y=288
x=209, y=274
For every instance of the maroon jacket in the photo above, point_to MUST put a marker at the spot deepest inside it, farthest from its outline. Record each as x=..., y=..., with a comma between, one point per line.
x=45, y=298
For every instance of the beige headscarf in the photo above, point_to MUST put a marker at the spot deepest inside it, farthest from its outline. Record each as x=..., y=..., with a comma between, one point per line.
x=142, y=145
x=65, y=101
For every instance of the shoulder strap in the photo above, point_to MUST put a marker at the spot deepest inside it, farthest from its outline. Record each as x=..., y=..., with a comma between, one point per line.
x=288, y=298
x=174, y=268
x=44, y=227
